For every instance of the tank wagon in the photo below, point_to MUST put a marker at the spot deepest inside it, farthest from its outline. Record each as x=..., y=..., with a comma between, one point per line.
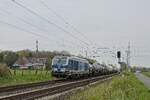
x=75, y=67
x=98, y=69
x=109, y=69
x=65, y=66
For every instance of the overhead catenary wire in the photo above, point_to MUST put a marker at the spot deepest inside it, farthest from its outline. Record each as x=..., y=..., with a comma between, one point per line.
x=24, y=30
x=33, y=12
x=27, y=31
x=29, y=23
x=48, y=21
x=45, y=19
x=65, y=21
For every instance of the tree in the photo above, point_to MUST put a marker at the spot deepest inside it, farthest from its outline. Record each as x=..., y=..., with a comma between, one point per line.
x=25, y=53
x=49, y=63
x=9, y=57
x=1, y=57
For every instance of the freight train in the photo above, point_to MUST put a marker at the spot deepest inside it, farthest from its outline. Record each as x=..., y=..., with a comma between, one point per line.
x=75, y=67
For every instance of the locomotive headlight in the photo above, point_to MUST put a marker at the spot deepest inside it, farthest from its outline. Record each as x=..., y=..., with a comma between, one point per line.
x=54, y=69
x=63, y=69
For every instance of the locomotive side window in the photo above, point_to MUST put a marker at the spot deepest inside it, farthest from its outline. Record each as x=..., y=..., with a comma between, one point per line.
x=86, y=66
x=81, y=66
x=71, y=64
x=75, y=65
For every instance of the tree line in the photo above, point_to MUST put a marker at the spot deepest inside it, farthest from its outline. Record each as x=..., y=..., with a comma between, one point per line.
x=10, y=57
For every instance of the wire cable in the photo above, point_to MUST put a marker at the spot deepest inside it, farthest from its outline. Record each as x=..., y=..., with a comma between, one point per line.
x=45, y=19
x=64, y=20
x=28, y=23
x=27, y=31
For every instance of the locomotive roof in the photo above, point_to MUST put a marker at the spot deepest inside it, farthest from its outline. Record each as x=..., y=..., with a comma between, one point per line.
x=73, y=57
x=77, y=58
x=61, y=56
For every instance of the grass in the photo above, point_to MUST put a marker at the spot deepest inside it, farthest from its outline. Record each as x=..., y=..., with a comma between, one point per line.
x=125, y=87
x=25, y=76
x=146, y=73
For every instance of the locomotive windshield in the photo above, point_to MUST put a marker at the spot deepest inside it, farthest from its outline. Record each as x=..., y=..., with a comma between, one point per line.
x=59, y=61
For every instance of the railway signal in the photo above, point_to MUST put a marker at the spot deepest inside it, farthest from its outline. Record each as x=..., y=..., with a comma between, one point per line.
x=119, y=56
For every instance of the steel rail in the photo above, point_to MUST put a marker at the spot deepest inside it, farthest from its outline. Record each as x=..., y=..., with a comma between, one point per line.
x=30, y=85
x=35, y=94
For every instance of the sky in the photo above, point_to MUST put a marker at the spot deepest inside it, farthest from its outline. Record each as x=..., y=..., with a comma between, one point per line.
x=68, y=24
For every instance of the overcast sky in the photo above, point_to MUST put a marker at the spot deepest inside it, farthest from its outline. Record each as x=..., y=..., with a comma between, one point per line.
x=107, y=23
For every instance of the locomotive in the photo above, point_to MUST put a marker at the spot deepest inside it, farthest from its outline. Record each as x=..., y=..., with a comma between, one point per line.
x=75, y=67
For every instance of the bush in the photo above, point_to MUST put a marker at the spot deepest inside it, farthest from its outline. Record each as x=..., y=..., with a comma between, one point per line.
x=4, y=70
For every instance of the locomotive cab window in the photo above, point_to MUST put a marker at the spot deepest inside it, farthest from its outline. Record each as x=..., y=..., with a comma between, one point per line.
x=60, y=61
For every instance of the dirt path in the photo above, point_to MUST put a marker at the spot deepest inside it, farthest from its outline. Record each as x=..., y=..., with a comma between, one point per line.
x=144, y=79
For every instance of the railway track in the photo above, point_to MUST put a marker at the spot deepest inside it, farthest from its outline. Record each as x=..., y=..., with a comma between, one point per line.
x=28, y=87
x=47, y=88
x=15, y=87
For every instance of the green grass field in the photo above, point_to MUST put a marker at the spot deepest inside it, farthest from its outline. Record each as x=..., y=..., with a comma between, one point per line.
x=146, y=73
x=27, y=76
x=125, y=87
